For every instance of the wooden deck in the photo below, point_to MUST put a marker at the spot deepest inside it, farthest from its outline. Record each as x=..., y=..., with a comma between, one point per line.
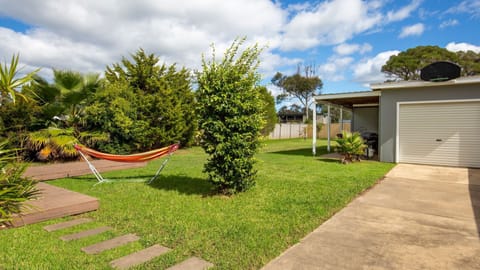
x=55, y=202
x=76, y=168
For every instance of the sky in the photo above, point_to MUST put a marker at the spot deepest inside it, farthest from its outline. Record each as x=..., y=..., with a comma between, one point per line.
x=346, y=40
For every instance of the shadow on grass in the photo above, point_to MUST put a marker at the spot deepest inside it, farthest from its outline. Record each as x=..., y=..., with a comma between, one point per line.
x=181, y=183
x=329, y=160
x=307, y=152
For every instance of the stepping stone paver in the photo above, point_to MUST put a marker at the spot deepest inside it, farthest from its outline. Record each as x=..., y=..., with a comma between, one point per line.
x=109, y=244
x=139, y=257
x=192, y=263
x=82, y=234
x=67, y=224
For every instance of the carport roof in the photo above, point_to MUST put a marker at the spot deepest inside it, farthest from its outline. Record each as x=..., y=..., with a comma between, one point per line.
x=348, y=100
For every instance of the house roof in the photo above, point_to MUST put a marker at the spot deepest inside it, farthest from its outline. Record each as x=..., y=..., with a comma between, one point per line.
x=349, y=100
x=365, y=98
x=417, y=84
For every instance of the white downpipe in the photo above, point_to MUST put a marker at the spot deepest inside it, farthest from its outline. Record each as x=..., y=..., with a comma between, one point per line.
x=328, y=128
x=314, y=129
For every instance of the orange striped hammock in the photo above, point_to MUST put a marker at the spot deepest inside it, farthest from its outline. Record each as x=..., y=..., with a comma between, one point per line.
x=140, y=157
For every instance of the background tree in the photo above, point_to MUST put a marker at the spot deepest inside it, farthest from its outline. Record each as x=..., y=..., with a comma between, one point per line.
x=149, y=105
x=407, y=65
x=230, y=117
x=301, y=87
x=268, y=110
x=470, y=62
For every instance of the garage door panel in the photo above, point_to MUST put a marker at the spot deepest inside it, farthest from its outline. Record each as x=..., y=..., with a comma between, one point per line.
x=440, y=133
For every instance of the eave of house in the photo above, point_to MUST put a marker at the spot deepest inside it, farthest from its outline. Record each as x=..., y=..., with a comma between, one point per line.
x=349, y=100
x=421, y=84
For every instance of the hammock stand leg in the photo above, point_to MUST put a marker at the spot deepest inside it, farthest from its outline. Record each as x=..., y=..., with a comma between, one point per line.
x=94, y=170
x=161, y=168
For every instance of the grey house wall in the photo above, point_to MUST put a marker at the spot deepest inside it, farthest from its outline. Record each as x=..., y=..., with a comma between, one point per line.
x=388, y=109
x=365, y=119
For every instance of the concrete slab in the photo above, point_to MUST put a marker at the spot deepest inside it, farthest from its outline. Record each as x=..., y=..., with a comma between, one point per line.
x=67, y=224
x=83, y=234
x=139, y=257
x=109, y=244
x=192, y=263
x=419, y=217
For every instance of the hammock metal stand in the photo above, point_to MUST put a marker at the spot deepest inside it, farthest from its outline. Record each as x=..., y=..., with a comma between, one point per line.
x=171, y=149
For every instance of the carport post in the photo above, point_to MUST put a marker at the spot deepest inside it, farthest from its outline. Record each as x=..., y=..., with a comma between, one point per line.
x=341, y=119
x=314, y=129
x=328, y=128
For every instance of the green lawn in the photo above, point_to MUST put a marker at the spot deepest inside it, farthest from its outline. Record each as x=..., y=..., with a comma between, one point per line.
x=294, y=194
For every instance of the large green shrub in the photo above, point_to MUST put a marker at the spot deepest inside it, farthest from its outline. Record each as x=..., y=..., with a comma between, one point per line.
x=268, y=111
x=143, y=105
x=230, y=113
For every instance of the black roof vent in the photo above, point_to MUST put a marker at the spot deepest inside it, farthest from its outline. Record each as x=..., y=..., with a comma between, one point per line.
x=440, y=71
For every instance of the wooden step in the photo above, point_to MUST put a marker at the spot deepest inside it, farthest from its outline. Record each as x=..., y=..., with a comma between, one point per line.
x=139, y=257
x=192, y=263
x=67, y=224
x=54, y=202
x=109, y=244
x=76, y=168
x=82, y=234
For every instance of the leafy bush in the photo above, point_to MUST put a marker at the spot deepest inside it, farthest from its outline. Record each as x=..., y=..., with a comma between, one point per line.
x=14, y=189
x=351, y=146
x=143, y=105
x=230, y=113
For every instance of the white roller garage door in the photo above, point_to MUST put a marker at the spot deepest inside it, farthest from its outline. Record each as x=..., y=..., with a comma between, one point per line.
x=445, y=133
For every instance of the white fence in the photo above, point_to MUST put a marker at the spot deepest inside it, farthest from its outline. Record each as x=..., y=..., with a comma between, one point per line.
x=289, y=130
x=294, y=130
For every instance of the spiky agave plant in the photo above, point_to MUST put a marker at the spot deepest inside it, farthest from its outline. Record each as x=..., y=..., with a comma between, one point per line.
x=350, y=145
x=9, y=80
x=14, y=188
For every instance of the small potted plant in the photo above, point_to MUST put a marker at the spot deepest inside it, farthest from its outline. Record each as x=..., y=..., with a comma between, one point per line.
x=351, y=146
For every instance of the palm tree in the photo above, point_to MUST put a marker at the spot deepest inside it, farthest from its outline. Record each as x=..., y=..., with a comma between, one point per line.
x=63, y=103
x=10, y=82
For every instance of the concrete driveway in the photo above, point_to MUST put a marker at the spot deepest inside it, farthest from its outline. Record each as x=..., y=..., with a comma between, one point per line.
x=418, y=217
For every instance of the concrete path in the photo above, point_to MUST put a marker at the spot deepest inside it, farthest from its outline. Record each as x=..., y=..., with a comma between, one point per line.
x=419, y=217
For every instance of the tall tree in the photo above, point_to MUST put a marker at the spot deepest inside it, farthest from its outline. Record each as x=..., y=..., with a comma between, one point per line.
x=470, y=62
x=230, y=117
x=408, y=64
x=149, y=105
x=302, y=87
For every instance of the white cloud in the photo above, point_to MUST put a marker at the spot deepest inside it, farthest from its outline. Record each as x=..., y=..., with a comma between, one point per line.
x=330, y=22
x=271, y=63
x=347, y=49
x=455, y=47
x=448, y=23
x=471, y=7
x=369, y=70
x=334, y=69
x=404, y=12
x=88, y=35
x=412, y=30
